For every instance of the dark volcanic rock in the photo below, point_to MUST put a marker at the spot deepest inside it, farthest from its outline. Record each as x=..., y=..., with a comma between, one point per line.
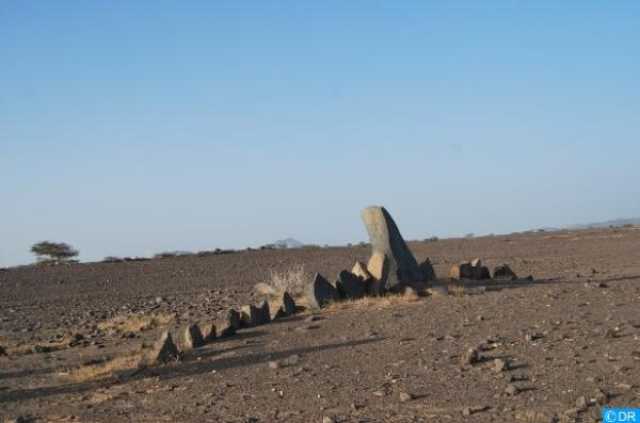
x=350, y=286
x=320, y=292
x=386, y=241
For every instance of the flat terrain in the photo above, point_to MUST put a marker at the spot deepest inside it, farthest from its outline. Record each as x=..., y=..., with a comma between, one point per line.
x=572, y=335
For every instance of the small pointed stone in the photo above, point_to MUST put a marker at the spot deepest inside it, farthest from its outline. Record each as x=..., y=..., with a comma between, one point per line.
x=192, y=337
x=164, y=350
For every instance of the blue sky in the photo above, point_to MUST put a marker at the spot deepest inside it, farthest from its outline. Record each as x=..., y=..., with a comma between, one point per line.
x=131, y=128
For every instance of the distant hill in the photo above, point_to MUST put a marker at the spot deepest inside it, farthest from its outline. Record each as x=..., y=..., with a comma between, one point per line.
x=288, y=243
x=607, y=224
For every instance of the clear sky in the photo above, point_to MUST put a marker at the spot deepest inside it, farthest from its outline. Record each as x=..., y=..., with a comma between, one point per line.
x=131, y=128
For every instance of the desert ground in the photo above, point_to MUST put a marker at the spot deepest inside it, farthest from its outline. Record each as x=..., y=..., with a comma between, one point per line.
x=555, y=349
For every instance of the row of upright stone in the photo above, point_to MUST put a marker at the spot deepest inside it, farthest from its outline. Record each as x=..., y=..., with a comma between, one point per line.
x=196, y=335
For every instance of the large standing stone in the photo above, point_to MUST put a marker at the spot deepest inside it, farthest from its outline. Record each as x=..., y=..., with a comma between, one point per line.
x=192, y=337
x=386, y=241
x=164, y=350
x=350, y=286
x=320, y=292
x=378, y=268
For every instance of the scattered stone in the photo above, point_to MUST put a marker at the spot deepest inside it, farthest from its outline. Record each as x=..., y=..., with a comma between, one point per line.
x=320, y=292
x=470, y=357
x=192, y=337
x=410, y=293
x=467, y=411
x=274, y=365
x=405, y=397
x=532, y=337
x=581, y=403
x=531, y=416
x=500, y=365
x=164, y=350
x=438, y=291
x=360, y=270
x=350, y=286
x=327, y=419
x=428, y=273
x=601, y=397
x=292, y=360
x=387, y=243
x=511, y=390
x=504, y=272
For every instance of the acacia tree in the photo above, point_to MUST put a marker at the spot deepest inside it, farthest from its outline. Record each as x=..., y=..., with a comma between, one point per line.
x=54, y=251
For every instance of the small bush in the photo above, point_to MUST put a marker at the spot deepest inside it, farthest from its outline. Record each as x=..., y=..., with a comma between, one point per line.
x=432, y=239
x=292, y=281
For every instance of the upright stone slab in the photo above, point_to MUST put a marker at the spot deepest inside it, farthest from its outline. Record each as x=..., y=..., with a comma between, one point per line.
x=428, y=273
x=504, y=272
x=249, y=316
x=283, y=307
x=233, y=319
x=164, y=350
x=209, y=332
x=192, y=337
x=386, y=241
x=263, y=315
x=350, y=286
x=320, y=292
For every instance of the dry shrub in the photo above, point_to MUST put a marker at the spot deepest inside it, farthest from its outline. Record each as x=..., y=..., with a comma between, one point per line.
x=135, y=323
x=292, y=281
x=389, y=300
x=107, y=369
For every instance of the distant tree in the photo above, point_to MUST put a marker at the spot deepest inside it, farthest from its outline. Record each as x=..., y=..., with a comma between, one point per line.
x=53, y=251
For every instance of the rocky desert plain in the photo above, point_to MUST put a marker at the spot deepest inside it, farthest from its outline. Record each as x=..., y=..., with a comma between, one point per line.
x=82, y=342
